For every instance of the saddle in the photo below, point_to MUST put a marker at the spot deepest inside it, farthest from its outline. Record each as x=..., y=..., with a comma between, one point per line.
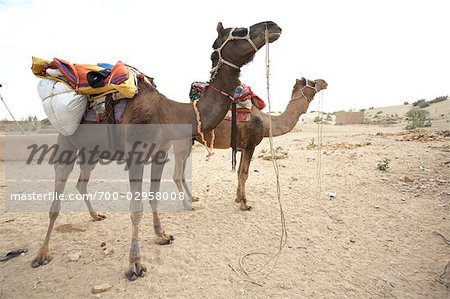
x=244, y=96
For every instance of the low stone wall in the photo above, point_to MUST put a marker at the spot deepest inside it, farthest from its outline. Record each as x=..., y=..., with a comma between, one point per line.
x=349, y=118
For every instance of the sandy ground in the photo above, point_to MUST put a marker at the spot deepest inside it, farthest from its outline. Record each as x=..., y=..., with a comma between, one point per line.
x=375, y=239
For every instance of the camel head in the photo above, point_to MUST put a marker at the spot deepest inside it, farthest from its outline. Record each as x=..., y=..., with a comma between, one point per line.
x=308, y=88
x=236, y=47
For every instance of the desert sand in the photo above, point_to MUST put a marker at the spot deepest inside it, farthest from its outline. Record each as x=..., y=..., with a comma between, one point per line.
x=375, y=238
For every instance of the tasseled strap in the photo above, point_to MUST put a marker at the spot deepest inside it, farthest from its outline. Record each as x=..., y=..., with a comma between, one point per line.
x=233, y=136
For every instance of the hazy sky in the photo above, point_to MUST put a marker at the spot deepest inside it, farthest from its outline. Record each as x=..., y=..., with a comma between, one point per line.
x=371, y=53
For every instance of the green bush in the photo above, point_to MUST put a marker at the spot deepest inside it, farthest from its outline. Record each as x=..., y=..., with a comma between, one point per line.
x=405, y=103
x=439, y=99
x=384, y=165
x=417, y=118
x=423, y=104
x=416, y=103
x=317, y=119
x=379, y=112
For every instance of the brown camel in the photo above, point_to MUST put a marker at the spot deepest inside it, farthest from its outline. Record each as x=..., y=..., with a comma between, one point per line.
x=233, y=48
x=249, y=135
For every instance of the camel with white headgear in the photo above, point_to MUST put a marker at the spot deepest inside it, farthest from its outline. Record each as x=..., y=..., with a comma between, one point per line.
x=233, y=48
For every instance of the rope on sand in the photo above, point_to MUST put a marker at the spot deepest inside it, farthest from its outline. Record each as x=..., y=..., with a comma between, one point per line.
x=446, y=241
x=319, y=155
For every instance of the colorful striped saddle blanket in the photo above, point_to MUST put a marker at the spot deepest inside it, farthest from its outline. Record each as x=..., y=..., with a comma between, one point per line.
x=243, y=95
x=87, y=78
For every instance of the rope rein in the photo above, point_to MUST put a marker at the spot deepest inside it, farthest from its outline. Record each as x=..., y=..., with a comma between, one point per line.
x=319, y=157
x=209, y=148
x=199, y=130
x=231, y=98
x=283, y=236
x=319, y=147
x=18, y=124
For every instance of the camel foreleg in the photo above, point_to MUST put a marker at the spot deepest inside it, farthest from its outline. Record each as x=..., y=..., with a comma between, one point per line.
x=244, y=165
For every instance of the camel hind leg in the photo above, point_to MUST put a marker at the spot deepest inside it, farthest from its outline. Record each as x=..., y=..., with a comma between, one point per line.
x=136, y=268
x=183, y=181
x=178, y=178
x=182, y=150
x=83, y=180
x=156, y=172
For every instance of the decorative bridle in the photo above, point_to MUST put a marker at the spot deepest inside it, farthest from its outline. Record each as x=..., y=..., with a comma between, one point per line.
x=307, y=85
x=214, y=71
x=230, y=37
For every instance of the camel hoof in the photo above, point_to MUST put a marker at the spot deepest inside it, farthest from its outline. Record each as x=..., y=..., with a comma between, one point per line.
x=136, y=271
x=133, y=276
x=166, y=240
x=246, y=208
x=41, y=260
x=98, y=217
x=195, y=199
x=237, y=200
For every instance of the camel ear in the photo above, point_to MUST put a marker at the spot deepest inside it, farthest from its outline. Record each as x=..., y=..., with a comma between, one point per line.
x=219, y=28
x=301, y=80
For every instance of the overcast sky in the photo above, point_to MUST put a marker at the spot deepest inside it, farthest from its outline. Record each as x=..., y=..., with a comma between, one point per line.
x=371, y=53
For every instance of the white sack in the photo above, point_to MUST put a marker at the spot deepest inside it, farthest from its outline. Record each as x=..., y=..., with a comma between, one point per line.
x=63, y=106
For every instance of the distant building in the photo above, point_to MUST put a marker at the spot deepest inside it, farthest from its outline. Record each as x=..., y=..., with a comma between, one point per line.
x=349, y=118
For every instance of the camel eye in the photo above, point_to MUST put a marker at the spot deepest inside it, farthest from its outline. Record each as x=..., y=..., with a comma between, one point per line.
x=241, y=32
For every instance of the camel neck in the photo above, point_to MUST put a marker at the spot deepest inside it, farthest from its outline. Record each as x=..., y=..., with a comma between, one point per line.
x=226, y=79
x=285, y=122
x=213, y=106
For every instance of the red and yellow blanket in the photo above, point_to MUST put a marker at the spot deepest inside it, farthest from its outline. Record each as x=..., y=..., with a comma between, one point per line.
x=87, y=78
